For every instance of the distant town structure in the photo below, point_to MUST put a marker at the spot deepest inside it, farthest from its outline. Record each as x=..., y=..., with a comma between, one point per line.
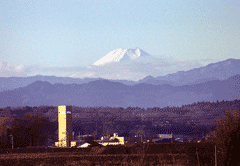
x=165, y=136
x=112, y=140
x=65, y=127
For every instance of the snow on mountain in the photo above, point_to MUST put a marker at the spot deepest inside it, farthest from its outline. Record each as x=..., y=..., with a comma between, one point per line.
x=119, y=55
x=134, y=64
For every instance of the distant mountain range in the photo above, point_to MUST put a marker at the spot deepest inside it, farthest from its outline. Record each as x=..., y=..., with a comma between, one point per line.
x=115, y=94
x=215, y=71
x=10, y=83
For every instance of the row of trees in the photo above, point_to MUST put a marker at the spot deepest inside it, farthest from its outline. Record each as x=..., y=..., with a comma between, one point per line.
x=200, y=112
x=31, y=129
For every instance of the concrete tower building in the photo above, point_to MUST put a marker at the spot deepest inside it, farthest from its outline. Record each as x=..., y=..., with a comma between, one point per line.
x=64, y=126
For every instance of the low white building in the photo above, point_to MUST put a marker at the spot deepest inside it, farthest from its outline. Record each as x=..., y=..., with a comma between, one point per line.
x=85, y=145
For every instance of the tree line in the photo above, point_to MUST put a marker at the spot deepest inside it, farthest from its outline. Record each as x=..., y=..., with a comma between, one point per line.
x=98, y=121
x=30, y=129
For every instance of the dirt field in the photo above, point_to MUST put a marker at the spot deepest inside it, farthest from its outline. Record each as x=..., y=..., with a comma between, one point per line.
x=76, y=159
x=131, y=154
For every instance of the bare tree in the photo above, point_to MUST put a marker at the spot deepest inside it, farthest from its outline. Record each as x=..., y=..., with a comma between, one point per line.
x=227, y=136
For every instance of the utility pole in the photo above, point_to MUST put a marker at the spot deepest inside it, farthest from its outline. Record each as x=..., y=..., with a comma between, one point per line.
x=31, y=141
x=197, y=157
x=11, y=139
x=215, y=155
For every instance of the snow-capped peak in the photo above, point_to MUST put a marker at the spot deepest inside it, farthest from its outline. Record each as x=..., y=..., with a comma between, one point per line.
x=121, y=54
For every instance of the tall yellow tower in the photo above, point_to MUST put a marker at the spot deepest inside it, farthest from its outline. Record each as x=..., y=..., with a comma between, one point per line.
x=64, y=126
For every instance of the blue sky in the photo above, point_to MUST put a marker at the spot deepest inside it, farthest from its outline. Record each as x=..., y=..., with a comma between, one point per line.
x=67, y=35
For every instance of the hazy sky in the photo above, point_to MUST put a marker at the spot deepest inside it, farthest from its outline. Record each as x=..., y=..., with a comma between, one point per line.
x=76, y=33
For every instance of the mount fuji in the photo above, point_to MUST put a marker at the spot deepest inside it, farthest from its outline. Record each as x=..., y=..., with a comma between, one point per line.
x=121, y=55
x=125, y=64
x=132, y=65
